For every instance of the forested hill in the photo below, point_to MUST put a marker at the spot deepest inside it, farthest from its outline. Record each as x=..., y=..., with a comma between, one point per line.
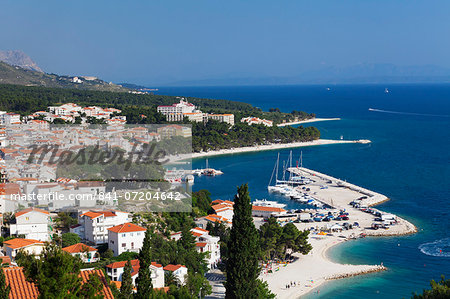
x=27, y=99
x=16, y=75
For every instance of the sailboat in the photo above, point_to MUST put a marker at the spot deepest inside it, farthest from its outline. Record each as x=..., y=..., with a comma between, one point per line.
x=274, y=171
x=207, y=171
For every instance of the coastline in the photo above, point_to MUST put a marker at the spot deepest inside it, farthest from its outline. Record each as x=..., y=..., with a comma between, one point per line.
x=266, y=147
x=312, y=120
x=320, y=268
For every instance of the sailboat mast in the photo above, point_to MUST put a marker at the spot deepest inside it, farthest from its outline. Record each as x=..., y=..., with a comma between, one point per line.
x=276, y=174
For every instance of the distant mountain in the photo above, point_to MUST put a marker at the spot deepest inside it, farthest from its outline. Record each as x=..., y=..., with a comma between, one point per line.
x=357, y=74
x=19, y=58
x=10, y=74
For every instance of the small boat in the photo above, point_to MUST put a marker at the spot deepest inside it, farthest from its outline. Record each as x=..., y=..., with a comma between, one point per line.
x=386, y=90
x=268, y=203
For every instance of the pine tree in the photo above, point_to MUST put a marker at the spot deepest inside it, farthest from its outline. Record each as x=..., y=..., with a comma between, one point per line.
x=126, y=289
x=55, y=272
x=4, y=289
x=144, y=280
x=242, y=265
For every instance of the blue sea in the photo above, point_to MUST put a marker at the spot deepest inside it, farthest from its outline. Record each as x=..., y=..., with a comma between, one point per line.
x=408, y=160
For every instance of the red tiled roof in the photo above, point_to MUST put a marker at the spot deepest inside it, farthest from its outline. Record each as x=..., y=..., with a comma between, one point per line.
x=20, y=243
x=23, y=289
x=106, y=290
x=201, y=229
x=200, y=244
x=267, y=209
x=122, y=264
x=20, y=213
x=80, y=247
x=126, y=228
x=172, y=268
x=95, y=214
x=20, y=287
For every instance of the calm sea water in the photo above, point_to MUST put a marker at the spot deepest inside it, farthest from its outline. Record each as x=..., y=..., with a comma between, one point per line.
x=408, y=160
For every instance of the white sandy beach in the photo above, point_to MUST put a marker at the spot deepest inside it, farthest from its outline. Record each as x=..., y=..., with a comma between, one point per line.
x=310, y=271
x=312, y=120
x=269, y=147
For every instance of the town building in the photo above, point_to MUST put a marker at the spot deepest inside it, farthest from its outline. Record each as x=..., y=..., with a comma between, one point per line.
x=9, y=118
x=204, y=242
x=174, y=130
x=179, y=272
x=224, y=118
x=32, y=223
x=95, y=224
x=257, y=121
x=266, y=212
x=115, y=272
x=127, y=237
x=30, y=246
x=177, y=111
x=86, y=253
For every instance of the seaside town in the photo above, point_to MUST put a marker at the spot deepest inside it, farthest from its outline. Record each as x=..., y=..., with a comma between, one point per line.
x=339, y=211
x=224, y=150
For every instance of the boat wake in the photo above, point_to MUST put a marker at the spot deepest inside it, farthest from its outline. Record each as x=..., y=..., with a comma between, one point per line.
x=408, y=113
x=439, y=248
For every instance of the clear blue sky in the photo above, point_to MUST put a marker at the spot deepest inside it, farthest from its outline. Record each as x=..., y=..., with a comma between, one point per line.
x=153, y=42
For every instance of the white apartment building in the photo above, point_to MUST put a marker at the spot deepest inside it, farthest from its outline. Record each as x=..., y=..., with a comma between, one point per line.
x=194, y=116
x=224, y=118
x=38, y=124
x=204, y=242
x=95, y=224
x=176, y=111
x=33, y=223
x=65, y=109
x=179, y=272
x=115, y=272
x=266, y=212
x=224, y=210
x=9, y=118
x=13, y=246
x=125, y=237
x=86, y=253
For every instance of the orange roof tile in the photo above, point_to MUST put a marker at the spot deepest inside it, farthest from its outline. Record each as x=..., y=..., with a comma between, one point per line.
x=80, y=247
x=121, y=264
x=267, y=209
x=20, y=243
x=200, y=244
x=126, y=228
x=20, y=287
x=106, y=290
x=20, y=213
x=172, y=268
x=201, y=229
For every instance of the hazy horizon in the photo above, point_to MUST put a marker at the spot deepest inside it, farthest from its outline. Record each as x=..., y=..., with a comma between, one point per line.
x=162, y=43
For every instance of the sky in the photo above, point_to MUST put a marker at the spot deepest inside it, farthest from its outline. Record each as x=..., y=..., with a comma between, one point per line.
x=164, y=41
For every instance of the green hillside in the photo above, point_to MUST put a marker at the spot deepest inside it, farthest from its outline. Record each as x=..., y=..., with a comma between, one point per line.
x=16, y=75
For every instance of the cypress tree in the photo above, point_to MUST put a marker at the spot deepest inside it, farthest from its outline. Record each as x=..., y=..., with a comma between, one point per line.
x=126, y=289
x=144, y=280
x=242, y=267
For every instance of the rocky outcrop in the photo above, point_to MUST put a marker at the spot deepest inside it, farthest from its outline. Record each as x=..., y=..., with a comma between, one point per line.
x=19, y=58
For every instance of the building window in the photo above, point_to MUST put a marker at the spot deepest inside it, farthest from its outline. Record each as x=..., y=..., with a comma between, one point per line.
x=124, y=244
x=123, y=235
x=132, y=244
